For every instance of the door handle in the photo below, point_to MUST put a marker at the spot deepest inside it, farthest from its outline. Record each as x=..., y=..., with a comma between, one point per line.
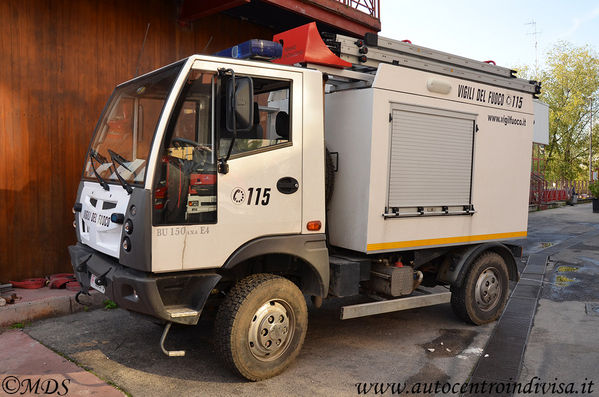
x=287, y=185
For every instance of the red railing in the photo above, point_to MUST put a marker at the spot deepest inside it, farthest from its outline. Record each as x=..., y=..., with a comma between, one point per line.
x=370, y=7
x=580, y=187
x=543, y=192
x=537, y=187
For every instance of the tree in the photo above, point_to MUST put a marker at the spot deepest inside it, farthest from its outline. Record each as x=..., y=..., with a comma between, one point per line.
x=570, y=82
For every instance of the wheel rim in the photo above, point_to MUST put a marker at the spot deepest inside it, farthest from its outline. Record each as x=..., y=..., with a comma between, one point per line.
x=488, y=289
x=271, y=330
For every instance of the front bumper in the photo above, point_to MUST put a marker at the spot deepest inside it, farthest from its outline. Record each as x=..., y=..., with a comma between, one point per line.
x=157, y=295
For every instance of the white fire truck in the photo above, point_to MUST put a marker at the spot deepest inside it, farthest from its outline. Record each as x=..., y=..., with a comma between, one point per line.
x=343, y=167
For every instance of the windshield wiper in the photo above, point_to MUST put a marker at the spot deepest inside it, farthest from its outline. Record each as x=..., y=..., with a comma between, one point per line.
x=118, y=159
x=121, y=160
x=93, y=155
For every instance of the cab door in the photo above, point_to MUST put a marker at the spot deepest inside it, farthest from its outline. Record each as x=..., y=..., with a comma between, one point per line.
x=260, y=195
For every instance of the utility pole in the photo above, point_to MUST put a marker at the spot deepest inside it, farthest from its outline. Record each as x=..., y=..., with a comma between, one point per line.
x=591, y=145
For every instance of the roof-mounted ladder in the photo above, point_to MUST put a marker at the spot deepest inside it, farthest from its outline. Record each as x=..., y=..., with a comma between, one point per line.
x=374, y=50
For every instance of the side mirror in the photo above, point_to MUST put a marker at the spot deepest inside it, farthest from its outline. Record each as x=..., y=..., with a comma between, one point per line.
x=240, y=103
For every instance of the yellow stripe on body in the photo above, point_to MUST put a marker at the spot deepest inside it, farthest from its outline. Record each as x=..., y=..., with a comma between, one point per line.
x=442, y=241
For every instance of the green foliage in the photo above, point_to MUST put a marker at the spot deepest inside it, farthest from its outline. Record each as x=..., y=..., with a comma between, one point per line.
x=18, y=325
x=570, y=80
x=594, y=188
x=110, y=304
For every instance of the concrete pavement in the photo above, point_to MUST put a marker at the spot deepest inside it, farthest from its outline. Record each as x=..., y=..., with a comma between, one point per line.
x=28, y=368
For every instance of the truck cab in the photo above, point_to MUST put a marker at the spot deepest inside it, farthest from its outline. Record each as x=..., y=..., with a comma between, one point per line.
x=152, y=200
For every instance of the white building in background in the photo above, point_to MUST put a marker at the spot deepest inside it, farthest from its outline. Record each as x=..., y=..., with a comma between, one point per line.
x=541, y=126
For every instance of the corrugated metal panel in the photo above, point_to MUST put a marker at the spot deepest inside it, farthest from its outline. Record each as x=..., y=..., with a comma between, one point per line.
x=431, y=158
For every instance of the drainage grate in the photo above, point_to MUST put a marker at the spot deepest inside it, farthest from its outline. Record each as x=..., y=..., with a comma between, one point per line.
x=592, y=309
x=504, y=352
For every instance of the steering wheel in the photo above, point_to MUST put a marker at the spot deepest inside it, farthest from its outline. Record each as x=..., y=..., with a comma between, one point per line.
x=201, y=153
x=181, y=142
x=184, y=142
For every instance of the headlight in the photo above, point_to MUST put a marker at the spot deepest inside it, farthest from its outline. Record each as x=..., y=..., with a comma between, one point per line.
x=127, y=244
x=128, y=226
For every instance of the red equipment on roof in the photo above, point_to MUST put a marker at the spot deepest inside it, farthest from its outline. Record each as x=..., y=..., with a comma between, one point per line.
x=304, y=45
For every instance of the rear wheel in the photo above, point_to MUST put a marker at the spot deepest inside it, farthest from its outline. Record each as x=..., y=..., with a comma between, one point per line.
x=484, y=292
x=261, y=325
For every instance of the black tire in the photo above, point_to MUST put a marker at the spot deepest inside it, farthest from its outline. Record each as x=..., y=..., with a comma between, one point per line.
x=247, y=312
x=484, y=291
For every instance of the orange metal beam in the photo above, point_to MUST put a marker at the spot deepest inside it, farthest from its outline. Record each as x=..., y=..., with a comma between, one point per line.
x=342, y=14
x=192, y=10
x=332, y=12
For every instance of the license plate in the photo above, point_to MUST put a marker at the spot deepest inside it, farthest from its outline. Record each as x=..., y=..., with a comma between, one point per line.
x=92, y=283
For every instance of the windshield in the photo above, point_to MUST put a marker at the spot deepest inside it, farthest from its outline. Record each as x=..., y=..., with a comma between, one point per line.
x=124, y=135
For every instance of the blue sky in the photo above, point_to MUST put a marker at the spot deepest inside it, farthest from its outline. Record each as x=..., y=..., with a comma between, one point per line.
x=494, y=30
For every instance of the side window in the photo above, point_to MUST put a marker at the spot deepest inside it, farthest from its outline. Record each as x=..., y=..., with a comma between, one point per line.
x=272, y=118
x=185, y=192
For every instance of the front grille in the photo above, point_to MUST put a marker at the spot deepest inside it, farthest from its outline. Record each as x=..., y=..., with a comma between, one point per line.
x=108, y=205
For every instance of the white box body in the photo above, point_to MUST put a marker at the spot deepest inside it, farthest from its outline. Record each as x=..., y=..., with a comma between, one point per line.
x=405, y=146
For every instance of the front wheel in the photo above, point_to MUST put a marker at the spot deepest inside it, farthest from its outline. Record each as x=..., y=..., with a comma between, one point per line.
x=261, y=325
x=484, y=292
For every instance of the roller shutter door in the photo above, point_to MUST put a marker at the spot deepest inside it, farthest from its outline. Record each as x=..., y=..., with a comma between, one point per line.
x=431, y=157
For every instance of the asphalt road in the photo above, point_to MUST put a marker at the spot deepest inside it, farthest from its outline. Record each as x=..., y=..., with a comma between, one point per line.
x=337, y=354
x=563, y=346
x=426, y=344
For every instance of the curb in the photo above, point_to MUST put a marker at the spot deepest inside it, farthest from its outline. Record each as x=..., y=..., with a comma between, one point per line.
x=22, y=312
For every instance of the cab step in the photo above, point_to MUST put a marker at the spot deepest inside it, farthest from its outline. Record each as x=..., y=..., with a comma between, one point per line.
x=170, y=353
x=182, y=312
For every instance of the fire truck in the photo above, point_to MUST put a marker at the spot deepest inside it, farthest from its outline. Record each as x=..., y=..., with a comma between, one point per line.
x=275, y=173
